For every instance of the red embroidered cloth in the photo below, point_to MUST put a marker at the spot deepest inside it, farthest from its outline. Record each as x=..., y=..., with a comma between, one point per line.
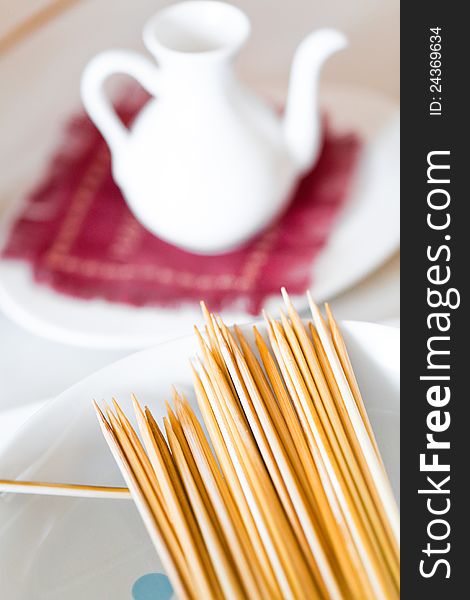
x=80, y=238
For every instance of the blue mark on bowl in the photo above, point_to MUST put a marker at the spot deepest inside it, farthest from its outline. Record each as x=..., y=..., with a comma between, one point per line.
x=153, y=586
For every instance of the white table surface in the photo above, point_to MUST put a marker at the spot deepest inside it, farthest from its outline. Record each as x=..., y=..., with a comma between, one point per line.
x=33, y=369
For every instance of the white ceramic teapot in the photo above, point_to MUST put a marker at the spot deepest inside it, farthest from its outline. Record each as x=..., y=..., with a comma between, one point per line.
x=206, y=165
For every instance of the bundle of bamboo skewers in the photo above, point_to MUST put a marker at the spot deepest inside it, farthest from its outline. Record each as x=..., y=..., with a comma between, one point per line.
x=286, y=495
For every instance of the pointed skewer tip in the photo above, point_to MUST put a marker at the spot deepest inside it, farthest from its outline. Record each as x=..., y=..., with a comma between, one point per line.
x=286, y=297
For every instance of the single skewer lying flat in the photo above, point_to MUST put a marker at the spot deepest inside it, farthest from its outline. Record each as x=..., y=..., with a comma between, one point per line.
x=63, y=489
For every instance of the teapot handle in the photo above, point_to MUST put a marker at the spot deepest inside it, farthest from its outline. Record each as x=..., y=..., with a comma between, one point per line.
x=97, y=103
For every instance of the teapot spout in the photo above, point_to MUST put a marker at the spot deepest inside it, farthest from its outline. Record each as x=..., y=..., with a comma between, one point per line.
x=302, y=121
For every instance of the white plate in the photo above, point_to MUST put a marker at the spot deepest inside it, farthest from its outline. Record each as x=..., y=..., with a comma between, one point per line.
x=365, y=235
x=57, y=548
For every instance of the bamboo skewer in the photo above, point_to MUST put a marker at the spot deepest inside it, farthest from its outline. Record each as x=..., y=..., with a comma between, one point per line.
x=182, y=517
x=227, y=578
x=376, y=469
x=356, y=487
x=291, y=479
x=286, y=495
x=254, y=509
x=333, y=426
x=391, y=545
x=214, y=425
x=237, y=537
x=254, y=415
x=261, y=492
x=324, y=460
x=175, y=570
x=147, y=487
x=72, y=490
x=325, y=512
x=343, y=355
x=33, y=23
x=126, y=435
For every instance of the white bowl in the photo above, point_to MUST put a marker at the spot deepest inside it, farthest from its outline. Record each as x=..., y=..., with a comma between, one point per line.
x=59, y=548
